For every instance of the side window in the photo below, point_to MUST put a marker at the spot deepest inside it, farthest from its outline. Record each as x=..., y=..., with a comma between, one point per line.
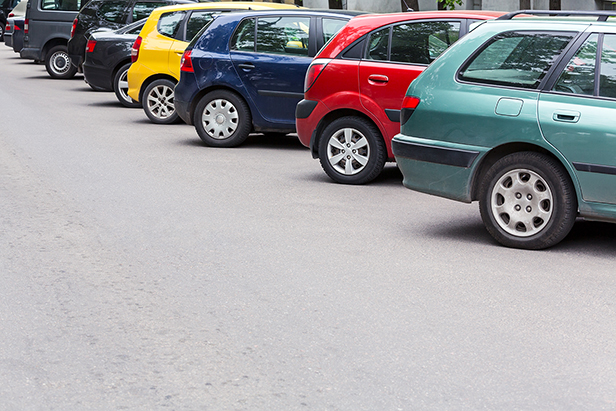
x=331, y=27
x=61, y=5
x=578, y=77
x=518, y=59
x=378, y=45
x=607, y=83
x=244, y=37
x=421, y=43
x=283, y=35
x=196, y=21
x=112, y=11
x=143, y=9
x=169, y=24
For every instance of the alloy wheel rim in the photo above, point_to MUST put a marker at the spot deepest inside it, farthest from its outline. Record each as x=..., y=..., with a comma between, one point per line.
x=123, y=86
x=60, y=62
x=348, y=151
x=220, y=119
x=522, y=203
x=161, y=102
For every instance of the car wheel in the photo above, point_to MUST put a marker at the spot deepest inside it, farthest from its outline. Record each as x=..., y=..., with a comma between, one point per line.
x=58, y=63
x=120, y=87
x=222, y=119
x=352, y=150
x=527, y=200
x=158, y=102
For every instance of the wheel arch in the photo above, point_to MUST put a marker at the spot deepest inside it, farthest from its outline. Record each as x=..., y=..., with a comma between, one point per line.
x=335, y=115
x=51, y=43
x=500, y=151
x=118, y=66
x=203, y=92
x=149, y=80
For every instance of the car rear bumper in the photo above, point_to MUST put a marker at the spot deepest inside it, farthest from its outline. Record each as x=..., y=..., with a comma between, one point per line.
x=8, y=39
x=307, y=116
x=30, y=53
x=436, y=167
x=98, y=77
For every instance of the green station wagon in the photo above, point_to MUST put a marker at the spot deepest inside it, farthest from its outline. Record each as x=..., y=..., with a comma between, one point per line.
x=519, y=115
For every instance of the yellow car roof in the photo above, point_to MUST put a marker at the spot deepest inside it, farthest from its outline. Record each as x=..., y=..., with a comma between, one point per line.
x=226, y=5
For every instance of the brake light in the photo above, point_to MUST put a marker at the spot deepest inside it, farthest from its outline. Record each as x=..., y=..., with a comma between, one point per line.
x=8, y=27
x=16, y=28
x=26, y=26
x=409, y=104
x=315, y=69
x=134, y=51
x=186, y=64
x=74, y=27
x=90, y=46
x=11, y=14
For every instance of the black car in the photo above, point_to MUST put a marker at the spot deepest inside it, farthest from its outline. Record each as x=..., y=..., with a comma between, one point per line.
x=113, y=14
x=5, y=8
x=107, y=60
x=14, y=35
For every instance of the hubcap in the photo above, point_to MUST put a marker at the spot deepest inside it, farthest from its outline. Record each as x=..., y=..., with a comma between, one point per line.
x=348, y=151
x=160, y=102
x=220, y=119
x=60, y=62
x=522, y=203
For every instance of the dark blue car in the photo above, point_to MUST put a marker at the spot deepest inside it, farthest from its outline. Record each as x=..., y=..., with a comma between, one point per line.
x=245, y=71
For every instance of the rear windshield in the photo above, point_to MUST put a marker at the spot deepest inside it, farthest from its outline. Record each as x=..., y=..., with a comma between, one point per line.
x=518, y=59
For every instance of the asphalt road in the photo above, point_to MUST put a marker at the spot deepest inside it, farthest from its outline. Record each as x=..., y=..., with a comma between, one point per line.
x=141, y=270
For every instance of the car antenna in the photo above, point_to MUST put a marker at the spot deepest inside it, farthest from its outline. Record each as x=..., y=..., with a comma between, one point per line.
x=407, y=6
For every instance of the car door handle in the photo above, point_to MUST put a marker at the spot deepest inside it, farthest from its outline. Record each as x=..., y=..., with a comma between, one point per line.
x=246, y=66
x=566, y=116
x=378, y=78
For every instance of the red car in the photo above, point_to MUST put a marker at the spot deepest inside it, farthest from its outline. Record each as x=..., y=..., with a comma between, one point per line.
x=355, y=85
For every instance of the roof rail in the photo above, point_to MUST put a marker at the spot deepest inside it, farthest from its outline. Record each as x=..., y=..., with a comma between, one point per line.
x=601, y=15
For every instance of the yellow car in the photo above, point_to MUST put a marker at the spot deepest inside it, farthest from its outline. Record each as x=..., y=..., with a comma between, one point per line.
x=157, y=52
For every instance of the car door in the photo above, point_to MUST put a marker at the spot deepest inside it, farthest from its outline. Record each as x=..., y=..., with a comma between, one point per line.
x=577, y=116
x=395, y=56
x=272, y=62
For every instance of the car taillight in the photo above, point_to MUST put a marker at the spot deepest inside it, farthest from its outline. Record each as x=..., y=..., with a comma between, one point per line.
x=409, y=104
x=16, y=28
x=186, y=64
x=11, y=14
x=315, y=69
x=8, y=27
x=134, y=51
x=73, y=27
x=26, y=25
x=90, y=46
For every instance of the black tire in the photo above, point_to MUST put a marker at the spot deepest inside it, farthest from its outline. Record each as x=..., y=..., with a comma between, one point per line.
x=352, y=150
x=222, y=119
x=58, y=63
x=120, y=87
x=527, y=200
x=158, y=102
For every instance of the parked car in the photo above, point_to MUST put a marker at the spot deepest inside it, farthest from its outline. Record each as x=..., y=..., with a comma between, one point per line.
x=18, y=12
x=6, y=6
x=47, y=28
x=246, y=71
x=158, y=50
x=112, y=14
x=518, y=116
x=108, y=59
x=355, y=86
